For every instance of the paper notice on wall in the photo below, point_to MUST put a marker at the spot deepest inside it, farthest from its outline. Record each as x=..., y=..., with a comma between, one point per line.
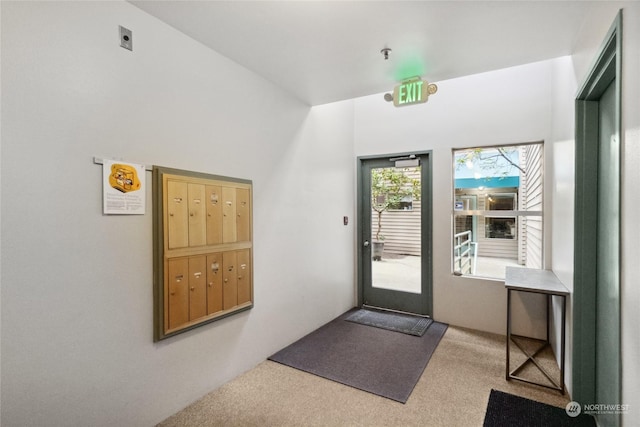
x=123, y=188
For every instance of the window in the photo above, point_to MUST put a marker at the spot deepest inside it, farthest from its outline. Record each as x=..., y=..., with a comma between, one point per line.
x=500, y=228
x=404, y=204
x=497, y=212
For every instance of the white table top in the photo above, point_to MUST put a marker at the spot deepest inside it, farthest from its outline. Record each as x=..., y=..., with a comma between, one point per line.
x=534, y=280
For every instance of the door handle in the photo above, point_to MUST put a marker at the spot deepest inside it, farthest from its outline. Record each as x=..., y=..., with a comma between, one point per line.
x=366, y=243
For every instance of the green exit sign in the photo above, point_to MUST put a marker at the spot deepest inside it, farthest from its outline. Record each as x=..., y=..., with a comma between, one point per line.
x=413, y=91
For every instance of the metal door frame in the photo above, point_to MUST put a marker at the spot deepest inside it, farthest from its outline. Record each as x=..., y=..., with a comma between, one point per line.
x=607, y=67
x=425, y=299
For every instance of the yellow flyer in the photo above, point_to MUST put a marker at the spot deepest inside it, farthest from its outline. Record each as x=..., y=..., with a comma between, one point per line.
x=123, y=188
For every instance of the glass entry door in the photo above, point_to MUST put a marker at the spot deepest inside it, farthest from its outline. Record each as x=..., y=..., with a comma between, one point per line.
x=395, y=233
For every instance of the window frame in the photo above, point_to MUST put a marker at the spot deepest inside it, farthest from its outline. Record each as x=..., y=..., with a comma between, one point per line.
x=518, y=214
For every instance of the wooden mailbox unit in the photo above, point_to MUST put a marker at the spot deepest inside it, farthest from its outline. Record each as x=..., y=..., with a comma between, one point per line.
x=202, y=249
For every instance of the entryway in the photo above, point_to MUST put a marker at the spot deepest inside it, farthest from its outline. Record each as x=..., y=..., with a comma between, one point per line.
x=394, y=232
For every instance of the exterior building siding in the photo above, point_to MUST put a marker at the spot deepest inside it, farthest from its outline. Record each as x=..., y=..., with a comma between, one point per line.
x=531, y=199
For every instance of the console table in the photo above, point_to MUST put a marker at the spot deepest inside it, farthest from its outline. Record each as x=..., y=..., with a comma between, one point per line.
x=539, y=282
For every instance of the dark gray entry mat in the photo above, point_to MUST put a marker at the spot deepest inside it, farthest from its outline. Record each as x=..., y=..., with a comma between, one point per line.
x=507, y=410
x=398, y=322
x=375, y=360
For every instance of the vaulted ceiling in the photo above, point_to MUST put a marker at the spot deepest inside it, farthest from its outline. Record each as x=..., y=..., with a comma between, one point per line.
x=325, y=51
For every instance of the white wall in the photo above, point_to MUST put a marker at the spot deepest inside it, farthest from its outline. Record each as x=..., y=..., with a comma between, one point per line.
x=501, y=107
x=561, y=177
x=588, y=44
x=76, y=297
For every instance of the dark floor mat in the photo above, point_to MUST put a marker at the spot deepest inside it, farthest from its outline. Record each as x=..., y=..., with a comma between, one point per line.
x=405, y=323
x=376, y=360
x=507, y=410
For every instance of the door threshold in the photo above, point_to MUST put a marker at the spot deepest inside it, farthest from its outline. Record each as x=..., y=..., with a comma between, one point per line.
x=395, y=311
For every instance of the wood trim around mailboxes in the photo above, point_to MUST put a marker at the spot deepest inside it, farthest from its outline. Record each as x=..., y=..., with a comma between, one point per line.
x=203, y=249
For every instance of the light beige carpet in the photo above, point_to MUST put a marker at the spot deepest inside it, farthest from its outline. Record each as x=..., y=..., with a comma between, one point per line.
x=453, y=391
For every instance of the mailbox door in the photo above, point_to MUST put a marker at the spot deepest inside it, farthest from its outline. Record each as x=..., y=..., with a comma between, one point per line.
x=214, y=283
x=213, y=196
x=178, y=216
x=244, y=276
x=197, y=287
x=229, y=232
x=229, y=280
x=197, y=215
x=178, y=293
x=243, y=215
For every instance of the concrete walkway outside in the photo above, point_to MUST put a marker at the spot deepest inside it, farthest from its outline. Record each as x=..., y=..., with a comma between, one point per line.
x=402, y=272
x=397, y=272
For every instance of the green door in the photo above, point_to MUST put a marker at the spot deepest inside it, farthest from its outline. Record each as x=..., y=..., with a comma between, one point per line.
x=394, y=233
